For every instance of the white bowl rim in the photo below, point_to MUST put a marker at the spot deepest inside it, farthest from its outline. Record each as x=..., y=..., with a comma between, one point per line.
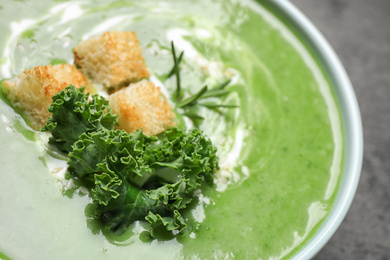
x=352, y=126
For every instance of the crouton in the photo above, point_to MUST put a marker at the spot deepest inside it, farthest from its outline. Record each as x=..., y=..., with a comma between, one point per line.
x=31, y=92
x=141, y=105
x=113, y=59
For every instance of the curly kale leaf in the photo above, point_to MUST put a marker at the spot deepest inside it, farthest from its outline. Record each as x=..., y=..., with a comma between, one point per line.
x=192, y=154
x=130, y=205
x=75, y=113
x=170, y=223
x=171, y=196
x=106, y=187
x=134, y=176
x=124, y=153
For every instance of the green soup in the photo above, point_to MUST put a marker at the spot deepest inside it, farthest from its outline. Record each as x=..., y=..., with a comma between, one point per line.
x=281, y=151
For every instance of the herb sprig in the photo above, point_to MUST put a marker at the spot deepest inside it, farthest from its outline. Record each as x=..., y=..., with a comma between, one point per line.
x=176, y=70
x=203, y=93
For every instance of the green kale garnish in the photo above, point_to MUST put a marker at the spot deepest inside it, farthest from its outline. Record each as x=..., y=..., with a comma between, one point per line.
x=74, y=113
x=138, y=177
x=132, y=176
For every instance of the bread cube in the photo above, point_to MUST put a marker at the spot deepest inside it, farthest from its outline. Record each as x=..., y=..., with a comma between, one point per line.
x=142, y=105
x=113, y=59
x=31, y=92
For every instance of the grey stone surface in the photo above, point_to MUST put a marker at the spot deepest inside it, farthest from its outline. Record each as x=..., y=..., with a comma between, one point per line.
x=359, y=32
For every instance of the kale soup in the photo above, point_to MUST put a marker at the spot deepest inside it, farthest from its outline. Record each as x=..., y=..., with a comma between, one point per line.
x=277, y=132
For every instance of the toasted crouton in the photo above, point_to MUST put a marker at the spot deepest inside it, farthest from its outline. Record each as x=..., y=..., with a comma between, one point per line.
x=141, y=105
x=113, y=59
x=32, y=90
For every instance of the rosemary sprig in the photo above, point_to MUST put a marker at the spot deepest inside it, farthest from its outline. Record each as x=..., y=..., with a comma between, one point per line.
x=223, y=85
x=176, y=69
x=218, y=91
x=203, y=93
x=215, y=105
x=173, y=68
x=215, y=93
x=193, y=116
x=192, y=100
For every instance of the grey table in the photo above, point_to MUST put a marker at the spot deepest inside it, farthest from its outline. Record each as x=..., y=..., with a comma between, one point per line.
x=359, y=32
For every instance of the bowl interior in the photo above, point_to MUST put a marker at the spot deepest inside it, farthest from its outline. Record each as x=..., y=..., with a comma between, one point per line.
x=350, y=117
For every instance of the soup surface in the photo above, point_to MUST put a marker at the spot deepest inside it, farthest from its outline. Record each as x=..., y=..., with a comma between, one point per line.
x=281, y=151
